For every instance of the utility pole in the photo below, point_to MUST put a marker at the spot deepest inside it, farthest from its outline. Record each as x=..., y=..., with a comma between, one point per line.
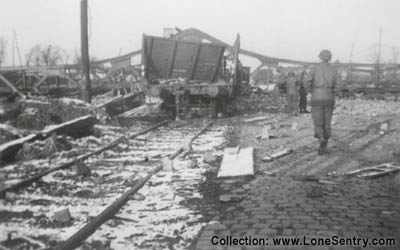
x=85, y=64
x=350, y=60
x=13, y=56
x=379, y=56
x=351, y=52
x=16, y=44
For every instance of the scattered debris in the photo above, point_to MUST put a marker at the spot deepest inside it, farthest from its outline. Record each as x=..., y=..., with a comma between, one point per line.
x=84, y=193
x=209, y=158
x=167, y=164
x=269, y=173
x=327, y=182
x=265, y=132
x=375, y=171
x=82, y=170
x=76, y=128
x=139, y=197
x=187, y=145
x=20, y=242
x=122, y=103
x=295, y=126
x=306, y=178
x=147, y=112
x=254, y=100
x=30, y=180
x=383, y=129
x=389, y=213
x=315, y=192
x=40, y=202
x=257, y=119
x=277, y=155
x=40, y=112
x=62, y=216
x=193, y=163
x=77, y=238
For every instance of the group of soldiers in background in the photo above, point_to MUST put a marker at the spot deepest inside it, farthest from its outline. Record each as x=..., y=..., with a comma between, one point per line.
x=296, y=93
x=321, y=82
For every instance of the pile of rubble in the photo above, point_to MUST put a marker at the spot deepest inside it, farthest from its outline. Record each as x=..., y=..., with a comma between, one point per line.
x=36, y=128
x=35, y=114
x=254, y=100
x=43, y=149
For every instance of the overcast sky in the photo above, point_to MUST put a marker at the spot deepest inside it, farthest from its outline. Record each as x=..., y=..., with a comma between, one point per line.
x=293, y=29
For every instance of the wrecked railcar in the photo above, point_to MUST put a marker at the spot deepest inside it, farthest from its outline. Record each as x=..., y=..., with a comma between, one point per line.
x=188, y=74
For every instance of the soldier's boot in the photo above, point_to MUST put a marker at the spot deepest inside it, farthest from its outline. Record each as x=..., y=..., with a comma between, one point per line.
x=325, y=147
x=322, y=146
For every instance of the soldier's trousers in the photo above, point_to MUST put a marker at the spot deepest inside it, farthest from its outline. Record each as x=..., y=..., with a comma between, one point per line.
x=292, y=100
x=322, y=117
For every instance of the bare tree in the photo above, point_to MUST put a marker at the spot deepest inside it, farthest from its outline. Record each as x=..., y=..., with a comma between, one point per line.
x=373, y=55
x=395, y=55
x=34, y=56
x=3, y=45
x=46, y=55
x=51, y=55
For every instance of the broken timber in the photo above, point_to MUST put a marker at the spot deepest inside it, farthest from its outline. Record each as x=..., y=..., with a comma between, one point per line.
x=9, y=150
x=277, y=155
x=76, y=239
x=257, y=119
x=375, y=171
x=11, y=86
x=75, y=128
x=120, y=104
x=26, y=182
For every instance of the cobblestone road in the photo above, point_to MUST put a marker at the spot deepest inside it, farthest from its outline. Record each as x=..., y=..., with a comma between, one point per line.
x=307, y=195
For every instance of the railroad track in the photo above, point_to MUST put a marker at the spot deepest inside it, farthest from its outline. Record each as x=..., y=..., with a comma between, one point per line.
x=157, y=217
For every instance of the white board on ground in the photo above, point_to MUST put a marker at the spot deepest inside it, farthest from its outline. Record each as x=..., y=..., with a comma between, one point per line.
x=236, y=162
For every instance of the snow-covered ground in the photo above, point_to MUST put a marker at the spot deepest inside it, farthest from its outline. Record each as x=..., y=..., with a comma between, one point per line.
x=157, y=217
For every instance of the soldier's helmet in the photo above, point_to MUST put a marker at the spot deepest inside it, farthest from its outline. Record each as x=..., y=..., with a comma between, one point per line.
x=325, y=55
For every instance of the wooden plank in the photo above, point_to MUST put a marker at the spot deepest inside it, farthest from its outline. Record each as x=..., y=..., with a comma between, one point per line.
x=40, y=82
x=74, y=128
x=257, y=119
x=18, y=82
x=375, y=171
x=11, y=86
x=237, y=162
x=71, y=79
x=277, y=155
x=76, y=239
